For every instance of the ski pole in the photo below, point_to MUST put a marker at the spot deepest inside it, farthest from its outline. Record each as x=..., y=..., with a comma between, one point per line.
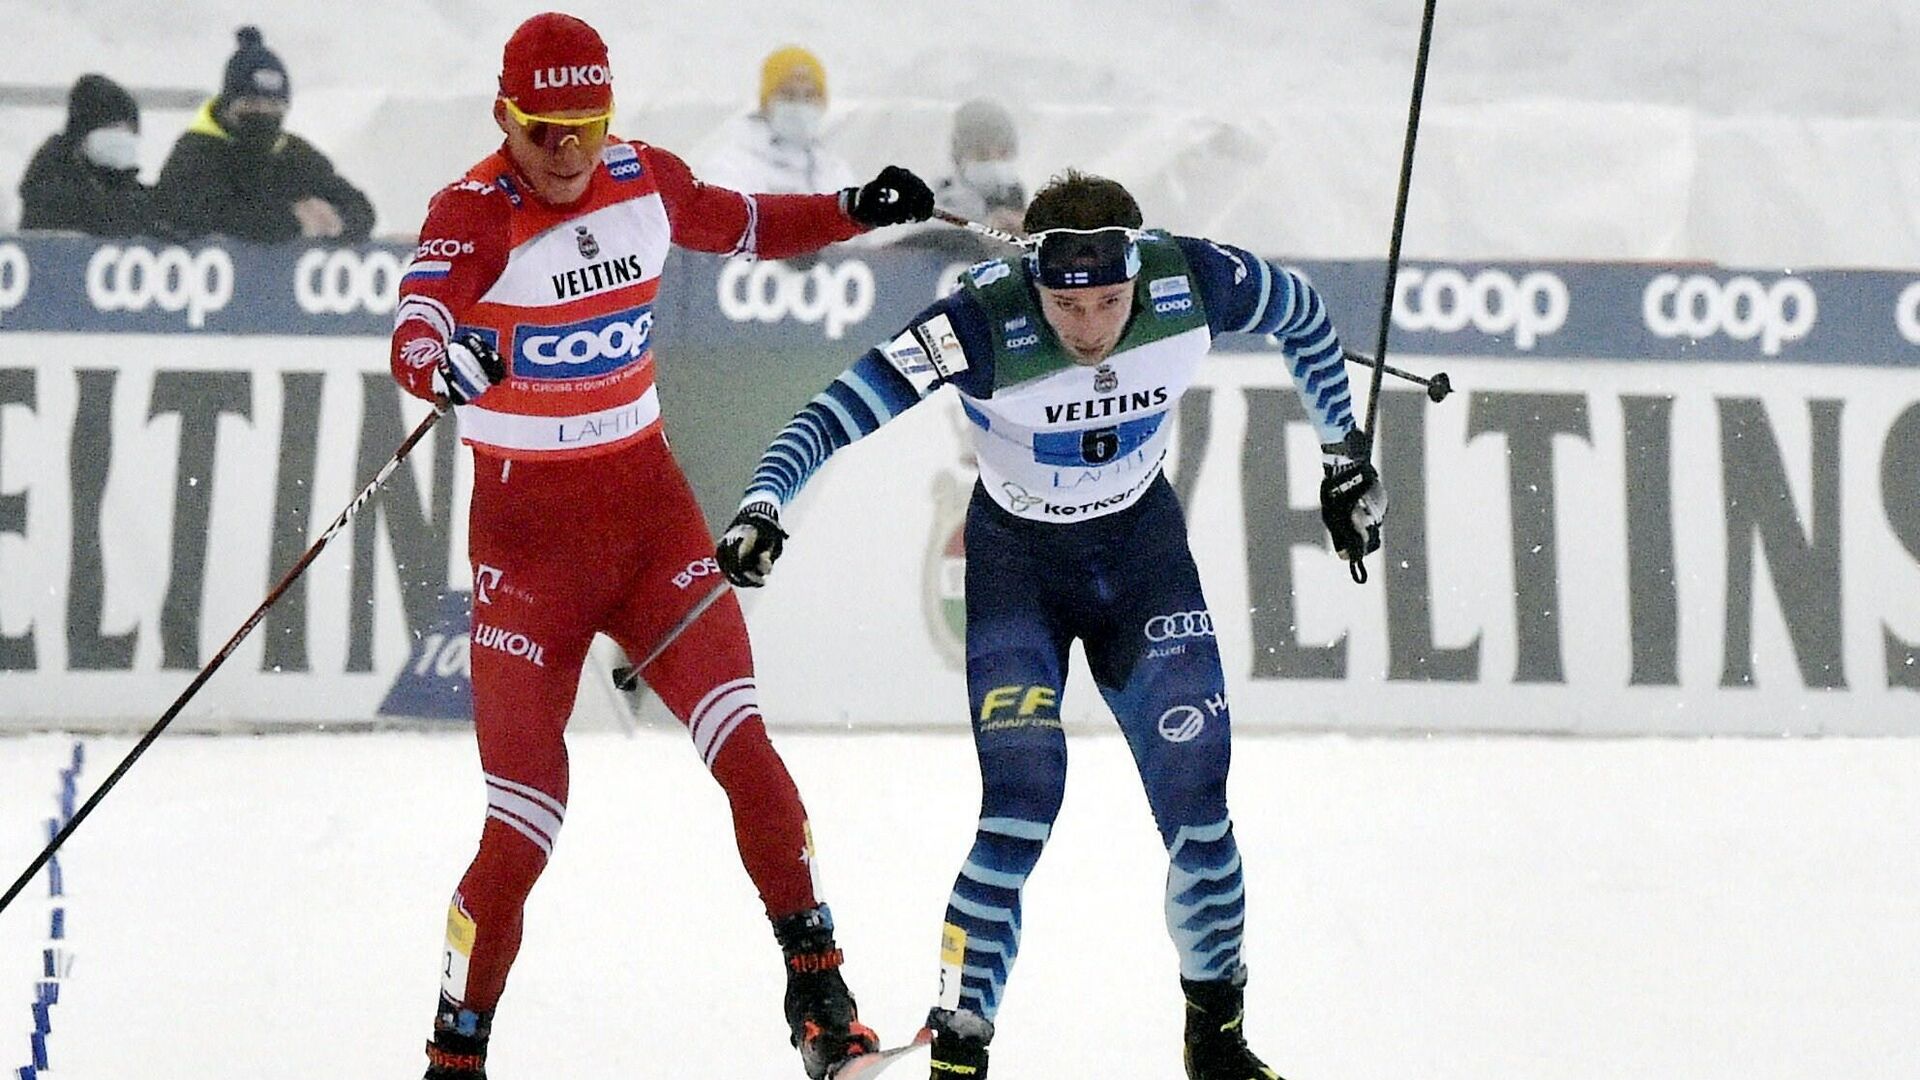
x=1358, y=567
x=1438, y=386
x=628, y=677
x=987, y=231
x=1400, y=223
x=213, y=665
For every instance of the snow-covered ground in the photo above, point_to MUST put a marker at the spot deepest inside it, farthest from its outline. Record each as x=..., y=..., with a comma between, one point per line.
x=1453, y=908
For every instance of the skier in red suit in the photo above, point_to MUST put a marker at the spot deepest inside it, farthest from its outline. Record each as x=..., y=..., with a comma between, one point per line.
x=529, y=306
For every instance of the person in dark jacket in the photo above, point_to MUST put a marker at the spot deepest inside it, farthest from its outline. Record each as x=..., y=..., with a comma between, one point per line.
x=235, y=171
x=87, y=177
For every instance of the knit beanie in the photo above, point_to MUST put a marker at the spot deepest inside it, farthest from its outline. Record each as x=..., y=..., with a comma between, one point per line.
x=253, y=70
x=782, y=64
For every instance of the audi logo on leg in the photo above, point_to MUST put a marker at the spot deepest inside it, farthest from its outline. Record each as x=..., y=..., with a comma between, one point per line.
x=134, y=279
x=341, y=282
x=1185, y=624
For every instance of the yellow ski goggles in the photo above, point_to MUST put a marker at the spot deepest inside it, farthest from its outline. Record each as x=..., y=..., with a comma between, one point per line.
x=552, y=132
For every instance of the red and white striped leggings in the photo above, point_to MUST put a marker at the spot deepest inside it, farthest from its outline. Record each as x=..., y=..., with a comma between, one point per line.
x=561, y=550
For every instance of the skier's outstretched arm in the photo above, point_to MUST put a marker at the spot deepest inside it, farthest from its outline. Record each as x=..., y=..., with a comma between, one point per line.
x=886, y=381
x=1246, y=294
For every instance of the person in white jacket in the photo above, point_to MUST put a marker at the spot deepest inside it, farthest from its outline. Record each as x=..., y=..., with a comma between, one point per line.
x=777, y=148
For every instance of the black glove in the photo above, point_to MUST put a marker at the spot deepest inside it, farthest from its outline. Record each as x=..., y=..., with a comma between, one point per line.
x=1353, y=503
x=468, y=368
x=895, y=197
x=751, y=544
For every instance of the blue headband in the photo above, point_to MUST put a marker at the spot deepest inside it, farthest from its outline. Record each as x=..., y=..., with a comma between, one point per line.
x=1083, y=258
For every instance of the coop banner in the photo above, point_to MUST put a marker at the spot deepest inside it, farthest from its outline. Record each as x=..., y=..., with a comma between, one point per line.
x=850, y=296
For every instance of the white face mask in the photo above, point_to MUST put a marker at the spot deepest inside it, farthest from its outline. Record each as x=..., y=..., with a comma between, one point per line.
x=112, y=148
x=794, y=121
x=989, y=177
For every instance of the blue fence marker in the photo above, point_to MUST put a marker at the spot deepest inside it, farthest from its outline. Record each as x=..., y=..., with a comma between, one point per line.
x=55, y=961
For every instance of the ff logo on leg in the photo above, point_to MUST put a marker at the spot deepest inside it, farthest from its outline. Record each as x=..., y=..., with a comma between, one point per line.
x=1019, y=705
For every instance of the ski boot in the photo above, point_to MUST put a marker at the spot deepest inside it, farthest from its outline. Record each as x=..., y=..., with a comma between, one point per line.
x=959, y=1044
x=820, y=1009
x=458, y=1050
x=1216, y=1045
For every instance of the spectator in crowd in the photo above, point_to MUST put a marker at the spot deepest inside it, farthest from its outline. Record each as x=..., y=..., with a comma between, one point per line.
x=236, y=171
x=985, y=184
x=87, y=178
x=777, y=149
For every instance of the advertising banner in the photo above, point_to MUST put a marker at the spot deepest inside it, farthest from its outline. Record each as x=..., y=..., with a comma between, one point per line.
x=1581, y=540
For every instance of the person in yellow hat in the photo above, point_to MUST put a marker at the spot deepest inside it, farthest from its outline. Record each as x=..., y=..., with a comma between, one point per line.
x=777, y=147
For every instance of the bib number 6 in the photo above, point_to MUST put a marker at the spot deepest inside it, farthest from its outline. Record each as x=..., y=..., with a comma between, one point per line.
x=1099, y=446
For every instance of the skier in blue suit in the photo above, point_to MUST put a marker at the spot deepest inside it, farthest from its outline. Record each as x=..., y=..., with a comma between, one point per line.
x=1068, y=361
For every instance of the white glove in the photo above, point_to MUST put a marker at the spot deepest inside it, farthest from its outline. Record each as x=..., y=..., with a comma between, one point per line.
x=468, y=369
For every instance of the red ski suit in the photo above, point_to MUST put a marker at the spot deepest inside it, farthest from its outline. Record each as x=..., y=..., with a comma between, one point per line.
x=581, y=521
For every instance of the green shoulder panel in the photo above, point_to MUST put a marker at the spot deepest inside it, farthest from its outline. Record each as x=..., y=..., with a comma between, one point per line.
x=1024, y=346
x=1164, y=298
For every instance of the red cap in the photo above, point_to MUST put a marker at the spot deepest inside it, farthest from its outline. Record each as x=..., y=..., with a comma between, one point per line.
x=554, y=63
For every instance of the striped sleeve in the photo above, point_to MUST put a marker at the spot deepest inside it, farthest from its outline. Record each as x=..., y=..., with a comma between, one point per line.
x=855, y=404
x=945, y=343
x=888, y=380
x=1245, y=294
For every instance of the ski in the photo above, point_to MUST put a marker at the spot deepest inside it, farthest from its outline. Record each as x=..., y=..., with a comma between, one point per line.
x=867, y=1066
